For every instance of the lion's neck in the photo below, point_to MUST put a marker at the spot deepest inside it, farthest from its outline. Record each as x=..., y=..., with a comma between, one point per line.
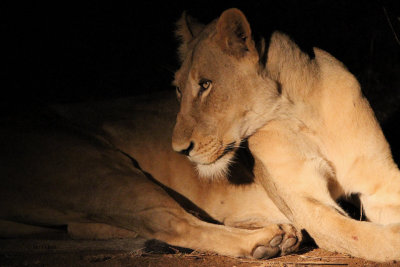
x=267, y=104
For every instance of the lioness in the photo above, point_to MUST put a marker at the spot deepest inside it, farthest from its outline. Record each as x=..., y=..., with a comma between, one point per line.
x=312, y=133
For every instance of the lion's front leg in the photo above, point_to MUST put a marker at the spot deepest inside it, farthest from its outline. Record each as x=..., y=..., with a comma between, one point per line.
x=148, y=210
x=296, y=178
x=182, y=229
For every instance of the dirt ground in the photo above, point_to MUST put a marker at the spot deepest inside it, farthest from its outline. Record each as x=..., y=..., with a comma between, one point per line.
x=117, y=253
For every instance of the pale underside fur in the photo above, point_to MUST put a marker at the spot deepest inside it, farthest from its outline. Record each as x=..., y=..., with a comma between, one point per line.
x=217, y=169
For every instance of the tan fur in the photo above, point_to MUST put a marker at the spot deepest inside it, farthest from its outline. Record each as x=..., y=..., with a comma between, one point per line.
x=312, y=133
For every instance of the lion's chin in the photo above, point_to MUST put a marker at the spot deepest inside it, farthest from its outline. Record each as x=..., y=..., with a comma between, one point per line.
x=216, y=170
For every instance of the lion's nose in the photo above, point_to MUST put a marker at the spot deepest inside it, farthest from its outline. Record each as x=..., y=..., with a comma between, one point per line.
x=187, y=150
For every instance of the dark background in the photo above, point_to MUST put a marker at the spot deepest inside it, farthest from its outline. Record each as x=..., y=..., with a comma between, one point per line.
x=63, y=51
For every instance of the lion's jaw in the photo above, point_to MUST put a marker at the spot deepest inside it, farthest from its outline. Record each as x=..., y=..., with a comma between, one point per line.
x=215, y=170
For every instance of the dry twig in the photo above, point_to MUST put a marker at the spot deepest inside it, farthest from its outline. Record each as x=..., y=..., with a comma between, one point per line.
x=391, y=25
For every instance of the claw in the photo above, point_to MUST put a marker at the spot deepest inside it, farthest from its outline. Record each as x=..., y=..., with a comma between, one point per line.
x=276, y=241
x=288, y=243
x=263, y=252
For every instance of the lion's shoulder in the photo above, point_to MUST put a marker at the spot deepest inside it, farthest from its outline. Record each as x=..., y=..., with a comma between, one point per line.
x=300, y=75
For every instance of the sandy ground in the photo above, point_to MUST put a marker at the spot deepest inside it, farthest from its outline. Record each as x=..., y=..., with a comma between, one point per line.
x=118, y=253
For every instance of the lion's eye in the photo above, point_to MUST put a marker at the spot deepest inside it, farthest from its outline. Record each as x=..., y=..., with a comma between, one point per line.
x=178, y=93
x=204, y=86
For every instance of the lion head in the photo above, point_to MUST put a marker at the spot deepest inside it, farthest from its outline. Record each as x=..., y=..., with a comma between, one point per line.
x=224, y=95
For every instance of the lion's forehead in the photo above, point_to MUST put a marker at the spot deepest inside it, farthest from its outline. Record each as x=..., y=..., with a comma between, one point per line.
x=204, y=62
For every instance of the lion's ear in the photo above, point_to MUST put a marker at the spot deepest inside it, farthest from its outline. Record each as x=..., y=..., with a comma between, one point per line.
x=234, y=33
x=187, y=28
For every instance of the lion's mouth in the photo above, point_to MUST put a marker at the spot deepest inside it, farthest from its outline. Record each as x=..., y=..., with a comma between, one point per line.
x=220, y=166
x=229, y=147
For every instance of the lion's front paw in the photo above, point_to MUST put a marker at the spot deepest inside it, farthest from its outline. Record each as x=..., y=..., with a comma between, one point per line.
x=282, y=244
